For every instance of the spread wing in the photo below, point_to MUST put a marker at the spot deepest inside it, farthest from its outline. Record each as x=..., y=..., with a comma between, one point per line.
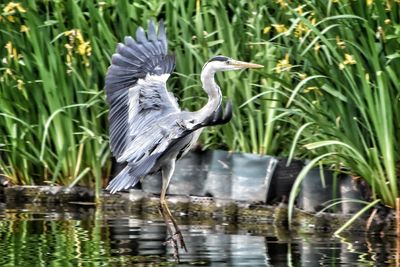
x=135, y=86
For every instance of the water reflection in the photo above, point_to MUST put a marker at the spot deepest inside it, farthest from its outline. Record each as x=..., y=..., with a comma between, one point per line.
x=84, y=236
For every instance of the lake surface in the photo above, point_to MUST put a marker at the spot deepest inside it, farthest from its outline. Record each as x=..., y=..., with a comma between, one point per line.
x=85, y=236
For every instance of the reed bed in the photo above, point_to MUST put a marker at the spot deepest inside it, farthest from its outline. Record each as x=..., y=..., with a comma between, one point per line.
x=206, y=28
x=340, y=63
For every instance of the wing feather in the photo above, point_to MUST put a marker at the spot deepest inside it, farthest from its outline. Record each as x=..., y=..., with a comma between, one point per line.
x=136, y=92
x=143, y=113
x=122, y=62
x=140, y=35
x=151, y=33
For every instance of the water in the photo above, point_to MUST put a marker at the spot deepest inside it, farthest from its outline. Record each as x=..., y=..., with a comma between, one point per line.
x=85, y=236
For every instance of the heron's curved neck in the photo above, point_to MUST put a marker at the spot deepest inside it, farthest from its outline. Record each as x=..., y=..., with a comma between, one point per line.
x=213, y=91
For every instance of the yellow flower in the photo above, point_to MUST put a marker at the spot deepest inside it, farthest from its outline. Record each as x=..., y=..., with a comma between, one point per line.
x=317, y=47
x=20, y=84
x=12, y=7
x=299, y=10
x=12, y=52
x=89, y=50
x=300, y=29
x=302, y=76
x=280, y=28
x=24, y=28
x=20, y=8
x=313, y=89
x=84, y=48
x=9, y=7
x=69, y=59
x=349, y=60
x=76, y=40
x=78, y=45
x=9, y=47
x=266, y=29
x=8, y=72
x=340, y=43
x=79, y=36
x=282, y=3
x=11, y=19
x=68, y=46
x=283, y=64
x=370, y=2
x=387, y=21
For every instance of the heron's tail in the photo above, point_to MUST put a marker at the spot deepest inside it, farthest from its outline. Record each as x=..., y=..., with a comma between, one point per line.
x=122, y=181
x=131, y=174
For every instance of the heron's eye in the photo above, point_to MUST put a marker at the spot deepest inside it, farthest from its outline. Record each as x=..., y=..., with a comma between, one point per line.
x=228, y=62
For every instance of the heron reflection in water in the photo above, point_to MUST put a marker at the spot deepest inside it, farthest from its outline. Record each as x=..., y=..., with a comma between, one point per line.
x=148, y=130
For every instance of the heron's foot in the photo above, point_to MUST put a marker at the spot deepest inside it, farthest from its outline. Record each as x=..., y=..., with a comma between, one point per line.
x=174, y=244
x=178, y=239
x=174, y=240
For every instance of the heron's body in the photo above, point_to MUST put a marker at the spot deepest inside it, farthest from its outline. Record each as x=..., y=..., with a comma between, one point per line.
x=148, y=130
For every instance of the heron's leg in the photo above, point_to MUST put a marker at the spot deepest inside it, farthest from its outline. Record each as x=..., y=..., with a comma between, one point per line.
x=170, y=231
x=167, y=172
x=165, y=183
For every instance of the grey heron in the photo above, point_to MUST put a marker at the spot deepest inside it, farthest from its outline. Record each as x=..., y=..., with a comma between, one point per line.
x=148, y=130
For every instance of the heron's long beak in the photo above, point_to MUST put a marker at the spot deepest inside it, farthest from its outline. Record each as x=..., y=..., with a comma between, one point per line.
x=242, y=64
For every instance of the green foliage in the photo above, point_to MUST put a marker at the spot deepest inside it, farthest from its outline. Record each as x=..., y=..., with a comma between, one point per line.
x=53, y=116
x=52, y=111
x=207, y=28
x=343, y=93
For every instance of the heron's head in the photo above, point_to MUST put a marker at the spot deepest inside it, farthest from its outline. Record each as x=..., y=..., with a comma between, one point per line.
x=222, y=63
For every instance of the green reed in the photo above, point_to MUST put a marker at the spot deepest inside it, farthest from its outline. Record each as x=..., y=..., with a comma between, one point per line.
x=52, y=109
x=201, y=29
x=342, y=89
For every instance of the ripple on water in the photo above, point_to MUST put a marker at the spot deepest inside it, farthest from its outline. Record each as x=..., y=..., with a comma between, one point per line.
x=90, y=238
